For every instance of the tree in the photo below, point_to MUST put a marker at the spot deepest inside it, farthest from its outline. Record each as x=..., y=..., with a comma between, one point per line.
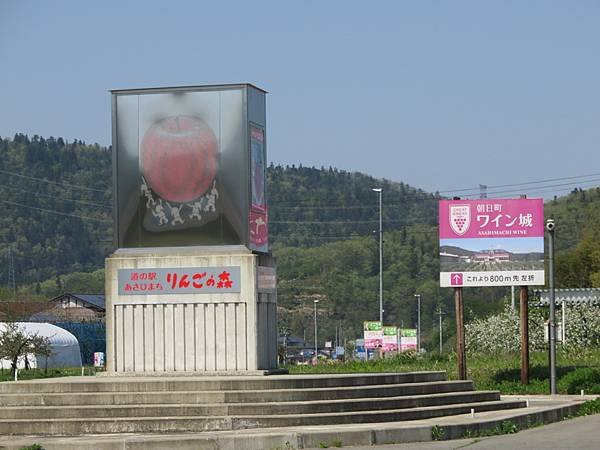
x=15, y=343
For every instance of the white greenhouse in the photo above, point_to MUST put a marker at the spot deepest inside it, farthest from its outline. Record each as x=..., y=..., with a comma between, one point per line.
x=64, y=347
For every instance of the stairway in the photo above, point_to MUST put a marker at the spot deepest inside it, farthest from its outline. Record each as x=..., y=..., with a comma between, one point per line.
x=99, y=405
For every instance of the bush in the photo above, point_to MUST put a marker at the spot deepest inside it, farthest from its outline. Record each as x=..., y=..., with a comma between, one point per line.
x=586, y=378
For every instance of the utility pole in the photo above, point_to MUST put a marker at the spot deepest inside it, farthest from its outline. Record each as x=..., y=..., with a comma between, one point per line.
x=524, y=328
x=563, y=328
x=460, y=333
x=483, y=191
x=440, y=314
x=12, y=283
x=418, y=322
x=316, y=348
x=512, y=298
x=380, y=191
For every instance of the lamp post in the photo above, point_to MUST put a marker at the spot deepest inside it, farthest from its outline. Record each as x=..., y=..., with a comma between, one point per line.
x=440, y=314
x=552, y=319
x=380, y=191
x=316, y=348
x=419, y=322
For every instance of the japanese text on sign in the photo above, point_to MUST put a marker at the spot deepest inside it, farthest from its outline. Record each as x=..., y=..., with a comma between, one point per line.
x=188, y=280
x=491, y=218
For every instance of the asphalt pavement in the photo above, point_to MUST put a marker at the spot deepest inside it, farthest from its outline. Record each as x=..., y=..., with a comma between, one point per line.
x=582, y=433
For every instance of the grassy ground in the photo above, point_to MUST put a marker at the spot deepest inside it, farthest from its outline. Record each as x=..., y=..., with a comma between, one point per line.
x=5, y=374
x=494, y=372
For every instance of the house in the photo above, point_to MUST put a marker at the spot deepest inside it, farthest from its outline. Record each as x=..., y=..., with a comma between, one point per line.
x=70, y=307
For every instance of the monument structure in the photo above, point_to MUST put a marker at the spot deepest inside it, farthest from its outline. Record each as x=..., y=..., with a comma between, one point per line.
x=190, y=287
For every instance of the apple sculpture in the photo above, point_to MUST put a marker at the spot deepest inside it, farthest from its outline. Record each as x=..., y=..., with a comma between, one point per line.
x=179, y=158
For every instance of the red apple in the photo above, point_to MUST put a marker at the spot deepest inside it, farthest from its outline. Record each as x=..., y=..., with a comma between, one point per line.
x=179, y=158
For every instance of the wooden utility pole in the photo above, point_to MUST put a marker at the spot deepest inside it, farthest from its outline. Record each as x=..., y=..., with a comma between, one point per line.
x=460, y=334
x=524, y=311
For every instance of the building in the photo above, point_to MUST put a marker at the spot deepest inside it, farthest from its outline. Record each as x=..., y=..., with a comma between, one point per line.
x=70, y=307
x=492, y=256
x=571, y=297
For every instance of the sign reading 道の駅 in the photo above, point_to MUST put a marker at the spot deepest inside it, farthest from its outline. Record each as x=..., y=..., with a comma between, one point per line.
x=179, y=280
x=491, y=242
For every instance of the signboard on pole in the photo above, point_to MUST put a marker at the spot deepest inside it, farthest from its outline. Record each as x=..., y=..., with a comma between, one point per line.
x=373, y=334
x=408, y=339
x=390, y=339
x=491, y=242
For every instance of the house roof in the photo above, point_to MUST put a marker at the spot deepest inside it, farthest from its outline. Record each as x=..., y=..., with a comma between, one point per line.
x=96, y=300
x=575, y=296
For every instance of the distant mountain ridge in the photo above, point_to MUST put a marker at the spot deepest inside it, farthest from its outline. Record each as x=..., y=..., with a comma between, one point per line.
x=57, y=220
x=58, y=206
x=458, y=251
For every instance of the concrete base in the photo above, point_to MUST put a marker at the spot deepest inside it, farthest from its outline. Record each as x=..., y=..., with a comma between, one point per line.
x=190, y=332
x=314, y=436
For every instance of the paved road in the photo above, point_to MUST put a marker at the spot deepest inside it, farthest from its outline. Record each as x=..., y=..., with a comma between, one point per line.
x=582, y=433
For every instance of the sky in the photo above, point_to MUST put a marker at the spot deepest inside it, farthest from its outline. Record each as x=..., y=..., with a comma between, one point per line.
x=443, y=95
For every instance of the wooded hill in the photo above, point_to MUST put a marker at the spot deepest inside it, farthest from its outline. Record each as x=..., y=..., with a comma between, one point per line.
x=57, y=226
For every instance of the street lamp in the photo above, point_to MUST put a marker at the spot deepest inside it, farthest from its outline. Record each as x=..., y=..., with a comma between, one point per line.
x=550, y=226
x=418, y=322
x=380, y=191
x=316, y=351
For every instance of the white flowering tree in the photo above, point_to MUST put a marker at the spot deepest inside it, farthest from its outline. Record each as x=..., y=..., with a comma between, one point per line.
x=500, y=333
x=582, y=330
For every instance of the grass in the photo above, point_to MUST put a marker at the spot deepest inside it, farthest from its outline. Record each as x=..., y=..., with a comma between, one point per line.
x=589, y=407
x=32, y=374
x=489, y=372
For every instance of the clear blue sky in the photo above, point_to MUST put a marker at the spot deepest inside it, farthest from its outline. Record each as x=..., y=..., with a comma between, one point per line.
x=441, y=95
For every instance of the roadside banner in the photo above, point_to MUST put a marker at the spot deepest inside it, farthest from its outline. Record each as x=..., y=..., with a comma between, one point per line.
x=373, y=334
x=408, y=339
x=390, y=339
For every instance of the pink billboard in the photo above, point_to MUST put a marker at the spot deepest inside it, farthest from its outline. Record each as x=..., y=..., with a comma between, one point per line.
x=491, y=242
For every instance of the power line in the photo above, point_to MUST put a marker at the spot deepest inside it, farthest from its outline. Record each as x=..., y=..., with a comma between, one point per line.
x=347, y=222
x=63, y=185
x=526, y=183
x=542, y=189
x=49, y=211
x=55, y=197
x=548, y=186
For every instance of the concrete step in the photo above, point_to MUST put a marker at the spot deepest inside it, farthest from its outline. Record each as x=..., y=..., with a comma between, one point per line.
x=216, y=383
x=220, y=409
x=240, y=396
x=81, y=426
x=362, y=435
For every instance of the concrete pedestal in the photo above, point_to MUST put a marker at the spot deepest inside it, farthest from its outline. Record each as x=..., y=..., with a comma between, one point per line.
x=191, y=332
